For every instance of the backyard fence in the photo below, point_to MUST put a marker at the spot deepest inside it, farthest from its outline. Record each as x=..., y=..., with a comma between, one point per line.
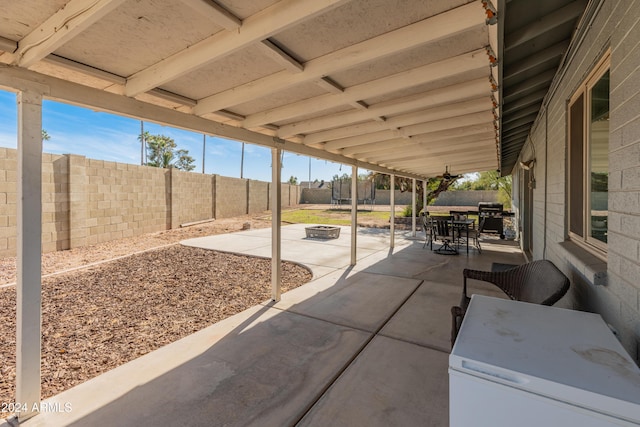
x=87, y=201
x=323, y=196
x=448, y=198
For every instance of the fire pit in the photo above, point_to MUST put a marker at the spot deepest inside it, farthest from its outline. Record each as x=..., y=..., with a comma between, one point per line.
x=323, y=232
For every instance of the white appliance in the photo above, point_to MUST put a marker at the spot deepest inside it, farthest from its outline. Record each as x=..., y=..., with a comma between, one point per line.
x=520, y=364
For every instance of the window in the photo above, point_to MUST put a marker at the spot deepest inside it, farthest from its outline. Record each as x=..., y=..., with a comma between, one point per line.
x=588, y=159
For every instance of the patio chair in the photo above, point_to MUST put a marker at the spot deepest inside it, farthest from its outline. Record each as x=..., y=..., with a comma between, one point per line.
x=427, y=227
x=474, y=234
x=537, y=282
x=443, y=231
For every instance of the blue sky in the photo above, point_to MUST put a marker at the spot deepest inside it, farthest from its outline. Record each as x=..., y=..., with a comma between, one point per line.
x=103, y=136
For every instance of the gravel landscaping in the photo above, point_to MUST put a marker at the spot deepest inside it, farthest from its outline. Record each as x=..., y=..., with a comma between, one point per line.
x=100, y=317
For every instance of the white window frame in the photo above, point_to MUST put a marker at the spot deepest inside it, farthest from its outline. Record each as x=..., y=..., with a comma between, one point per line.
x=586, y=240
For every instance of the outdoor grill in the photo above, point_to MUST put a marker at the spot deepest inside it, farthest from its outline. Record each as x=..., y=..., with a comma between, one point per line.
x=493, y=216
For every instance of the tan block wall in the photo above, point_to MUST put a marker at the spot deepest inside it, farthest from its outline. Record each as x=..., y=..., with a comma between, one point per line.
x=231, y=197
x=123, y=200
x=259, y=196
x=87, y=201
x=55, y=203
x=191, y=197
x=8, y=195
x=290, y=195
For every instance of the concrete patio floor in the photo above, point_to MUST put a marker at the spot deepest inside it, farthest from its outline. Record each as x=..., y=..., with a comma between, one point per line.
x=366, y=345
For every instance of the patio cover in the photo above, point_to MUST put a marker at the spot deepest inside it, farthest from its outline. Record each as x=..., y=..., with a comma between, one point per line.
x=405, y=87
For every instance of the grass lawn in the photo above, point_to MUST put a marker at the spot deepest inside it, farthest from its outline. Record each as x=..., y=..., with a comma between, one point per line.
x=330, y=216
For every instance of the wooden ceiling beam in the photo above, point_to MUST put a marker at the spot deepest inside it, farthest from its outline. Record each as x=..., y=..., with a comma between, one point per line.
x=451, y=157
x=281, y=57
x=449, y=94
x=445, y=124
x=441, y=112
x=422, y=151
x=214, y=12
x=440, y=125
x=545, y=24
x=389, y=144
x=391, y=153
x=429, y=30
x=428, y=73
x=69, y=21
x=256, y=28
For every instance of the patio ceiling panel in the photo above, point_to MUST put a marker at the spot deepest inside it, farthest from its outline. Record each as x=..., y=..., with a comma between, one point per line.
x=347, y=80
x=135, y=34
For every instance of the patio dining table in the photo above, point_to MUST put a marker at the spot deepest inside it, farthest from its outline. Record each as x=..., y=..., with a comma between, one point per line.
x=459, y=225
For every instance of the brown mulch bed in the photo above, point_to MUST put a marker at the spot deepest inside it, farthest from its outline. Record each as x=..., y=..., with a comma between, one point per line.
x=76, y=257
x=101, y=317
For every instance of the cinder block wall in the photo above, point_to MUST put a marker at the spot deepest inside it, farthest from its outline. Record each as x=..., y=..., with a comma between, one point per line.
x=466, y=198
x=400, y=198
x=191, y=197
x=290, y=195
x=8, y=193
x=316, y=196
x=231, y=197
x=259, y=200
x=87, y=201
x=56, y=230
x=116, y=200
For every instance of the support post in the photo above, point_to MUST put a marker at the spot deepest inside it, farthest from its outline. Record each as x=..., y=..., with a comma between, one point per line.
x=392, y=221
x=204, y=149
x=276, y=215
x=413, y=207
x=29, y=250
x=242, y=162
x=424, y=196
x=354, y=213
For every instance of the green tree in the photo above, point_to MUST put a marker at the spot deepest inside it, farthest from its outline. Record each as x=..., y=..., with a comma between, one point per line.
x=434, y=187
x=45, y=135
x=488, y=180
x=293, y=180
x=184, y=161
x=162, y=152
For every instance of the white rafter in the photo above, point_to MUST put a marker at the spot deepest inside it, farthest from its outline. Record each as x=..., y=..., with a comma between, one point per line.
x=441, y=112
x=454, y=93
x=364, y=139
x=428, y=73
x=479, y=155
x=426, y=149
x=280, y=56
x=452, y=123
x=258, y=27
x=426, y=31
x=426, y=129
x=69, y=21
x=214, y=12
x=391, y=144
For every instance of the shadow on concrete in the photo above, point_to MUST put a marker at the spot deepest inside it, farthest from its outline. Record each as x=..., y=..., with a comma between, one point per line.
x=363, y=346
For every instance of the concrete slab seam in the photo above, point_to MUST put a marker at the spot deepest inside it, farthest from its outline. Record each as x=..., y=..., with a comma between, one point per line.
x=355, y=356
